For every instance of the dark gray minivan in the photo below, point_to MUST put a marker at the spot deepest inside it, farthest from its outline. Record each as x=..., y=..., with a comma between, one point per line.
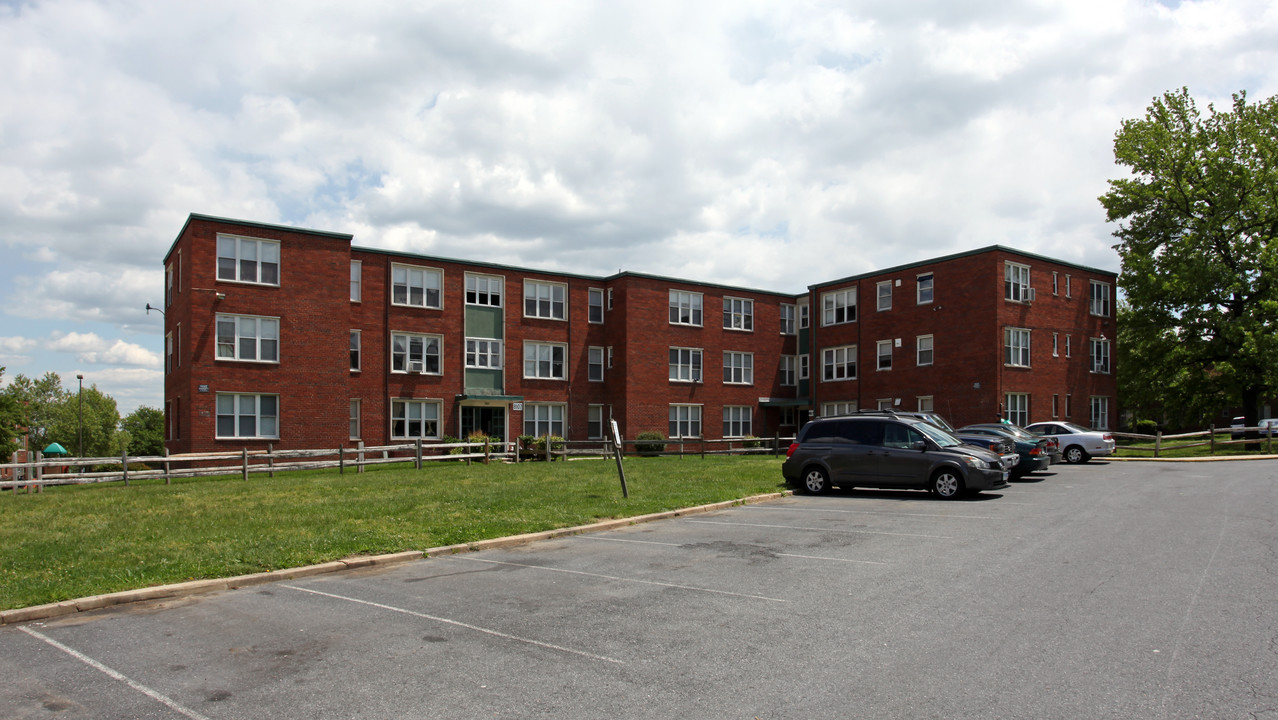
x=888, y=452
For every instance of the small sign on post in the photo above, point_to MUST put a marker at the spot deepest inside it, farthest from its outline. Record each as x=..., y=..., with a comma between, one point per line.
x=616, y=451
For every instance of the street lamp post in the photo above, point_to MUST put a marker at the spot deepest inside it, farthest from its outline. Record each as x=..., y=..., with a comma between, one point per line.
x=80, y=377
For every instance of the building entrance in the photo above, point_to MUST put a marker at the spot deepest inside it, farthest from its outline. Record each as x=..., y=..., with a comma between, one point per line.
x=491, y=420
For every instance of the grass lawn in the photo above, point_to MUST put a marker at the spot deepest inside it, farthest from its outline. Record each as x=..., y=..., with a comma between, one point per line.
x=75, y=541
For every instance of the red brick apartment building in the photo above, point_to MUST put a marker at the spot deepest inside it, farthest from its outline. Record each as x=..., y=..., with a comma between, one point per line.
x=296, y=338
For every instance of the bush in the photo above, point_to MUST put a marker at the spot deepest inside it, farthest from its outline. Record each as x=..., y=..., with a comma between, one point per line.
x=1146, y=427
x=751, y=442
x=649, y=448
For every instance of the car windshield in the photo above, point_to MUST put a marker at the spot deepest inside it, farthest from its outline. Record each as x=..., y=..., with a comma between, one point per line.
x=937, y=435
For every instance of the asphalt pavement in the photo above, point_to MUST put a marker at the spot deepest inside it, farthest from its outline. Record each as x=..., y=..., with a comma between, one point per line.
x=1105, y=590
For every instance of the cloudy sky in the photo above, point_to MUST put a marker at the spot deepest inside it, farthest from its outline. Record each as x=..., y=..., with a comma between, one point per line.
x=747, y=142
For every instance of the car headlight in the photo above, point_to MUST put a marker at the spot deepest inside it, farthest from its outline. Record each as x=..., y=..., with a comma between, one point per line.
x=974, y=461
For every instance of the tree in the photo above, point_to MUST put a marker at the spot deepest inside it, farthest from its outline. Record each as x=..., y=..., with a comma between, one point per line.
x=53, y=414
x=144, y=431
x=1196, y=221
x=11, y=423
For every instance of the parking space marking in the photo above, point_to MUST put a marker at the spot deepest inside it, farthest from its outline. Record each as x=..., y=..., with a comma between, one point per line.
x=834, y=530
x=457, y=623
x=878, y=512
x=623, y=579
x=654, y=542
x=154, y=695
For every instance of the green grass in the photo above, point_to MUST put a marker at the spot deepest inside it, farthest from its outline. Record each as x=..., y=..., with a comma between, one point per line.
x=75, y=541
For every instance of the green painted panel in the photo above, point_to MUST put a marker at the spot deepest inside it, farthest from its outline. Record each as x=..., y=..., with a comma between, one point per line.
x=483, y=382
x=484, y=322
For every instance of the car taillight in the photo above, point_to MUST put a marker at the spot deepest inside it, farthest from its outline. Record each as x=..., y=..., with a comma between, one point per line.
x=793, y=446
x=1107, y=437
x=1036, y=451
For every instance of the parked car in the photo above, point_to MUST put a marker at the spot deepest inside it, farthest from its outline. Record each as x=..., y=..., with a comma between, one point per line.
x=1237, y=428
x=887, y=451
x=1053, y=447
x=1033, y=452
x=1001, y=446
x=927, y=417
x=1078, y=444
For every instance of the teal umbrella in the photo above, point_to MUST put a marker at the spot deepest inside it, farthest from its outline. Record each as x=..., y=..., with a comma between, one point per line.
x=55, y=449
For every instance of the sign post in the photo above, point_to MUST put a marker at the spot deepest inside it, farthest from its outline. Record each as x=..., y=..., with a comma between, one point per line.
x=616, y=452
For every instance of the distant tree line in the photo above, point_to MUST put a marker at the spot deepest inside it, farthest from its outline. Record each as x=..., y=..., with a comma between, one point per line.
x=49, y=413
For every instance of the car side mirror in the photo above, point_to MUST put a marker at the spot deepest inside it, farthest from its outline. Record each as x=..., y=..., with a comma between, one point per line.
x=920, y=445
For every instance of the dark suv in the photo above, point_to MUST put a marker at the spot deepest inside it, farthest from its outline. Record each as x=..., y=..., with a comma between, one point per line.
x=888, y=452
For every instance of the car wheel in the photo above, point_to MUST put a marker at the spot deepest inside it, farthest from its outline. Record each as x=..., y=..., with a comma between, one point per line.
x=947, y=484
x=815, y=481
x=1075, y=455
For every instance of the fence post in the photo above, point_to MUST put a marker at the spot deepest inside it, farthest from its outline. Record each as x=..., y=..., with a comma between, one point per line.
x=270, y=461
x=168, y=480
x=776, y=444
x=1269, y=439
x=341, y=459
x=124, y=463
x=359, y=459
x=1158, y=441
x=37, y=473
x=419, y=454
x=244, y=462
x=487, y=449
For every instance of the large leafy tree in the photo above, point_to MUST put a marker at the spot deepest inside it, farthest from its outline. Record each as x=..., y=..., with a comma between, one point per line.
x=143, y=430
x=53, y=414
x=1196, y=220
x=12, y=423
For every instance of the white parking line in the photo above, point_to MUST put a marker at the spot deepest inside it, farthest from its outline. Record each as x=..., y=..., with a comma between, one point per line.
x=875, y=512
x=158, y=697
x=622, y=579
x=833, y=530
x=468, y=626
x=654, y=542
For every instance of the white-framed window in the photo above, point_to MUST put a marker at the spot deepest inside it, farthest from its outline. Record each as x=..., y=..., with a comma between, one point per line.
x=609, y=357
x=595, y=364
x=357, y=281
x=787, y=318
x=595, y=304
x=1056, y=344
x=1069, y=405
x=609, y=298
x=924, y=289
x=923, y=350
x=177, y=345
x=355, y=350
x=415, y=419
x=485, y=290
x=738, y=368
x=543, y=419
x=247, y=415
x=354, y=417
x=248, y=337
x=483, y=353
x=1099, y=413
x=1016, y=408
x=805, y=366
x=788, y=417
x=805, y=316
x=685, y=364
x=545, y=360
x=685, y=421
x=1056, y=406
x=838, y=307
x=248, y=260
x=595, y=422
x=1016, y=282
x=1069, y=287
x=417, y=286
x=1100, y=355
x=1068, y=345
x=417, y=353
x=545, y=300
x=885, y=403
x=738, y=314
x=883, y=291
x=1056, y=283
x=168, y=286
x=1100, y=298
x=838, y=363
x=1016, y=347
x=168, y=353
x=884, y=351
x=924, y=403
x=788, y=373
x=830, y=409
x=685, y=308
x=737, y=421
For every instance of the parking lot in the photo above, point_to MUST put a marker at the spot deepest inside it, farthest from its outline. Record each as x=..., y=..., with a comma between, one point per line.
x=1105, y=590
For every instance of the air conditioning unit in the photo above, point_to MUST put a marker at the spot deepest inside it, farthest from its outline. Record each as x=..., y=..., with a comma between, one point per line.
x=1029, y=295
x=416, y=367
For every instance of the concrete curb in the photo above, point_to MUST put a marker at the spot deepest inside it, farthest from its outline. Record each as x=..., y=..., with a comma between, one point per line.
x=200, y=587
x=1209, y=458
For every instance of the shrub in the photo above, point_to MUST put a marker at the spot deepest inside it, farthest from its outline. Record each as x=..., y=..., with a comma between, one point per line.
x=1146, y=427
x=649, y=448
x=751, y=442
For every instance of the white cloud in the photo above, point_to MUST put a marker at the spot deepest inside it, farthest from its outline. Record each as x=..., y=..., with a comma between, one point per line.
x=92, y=349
